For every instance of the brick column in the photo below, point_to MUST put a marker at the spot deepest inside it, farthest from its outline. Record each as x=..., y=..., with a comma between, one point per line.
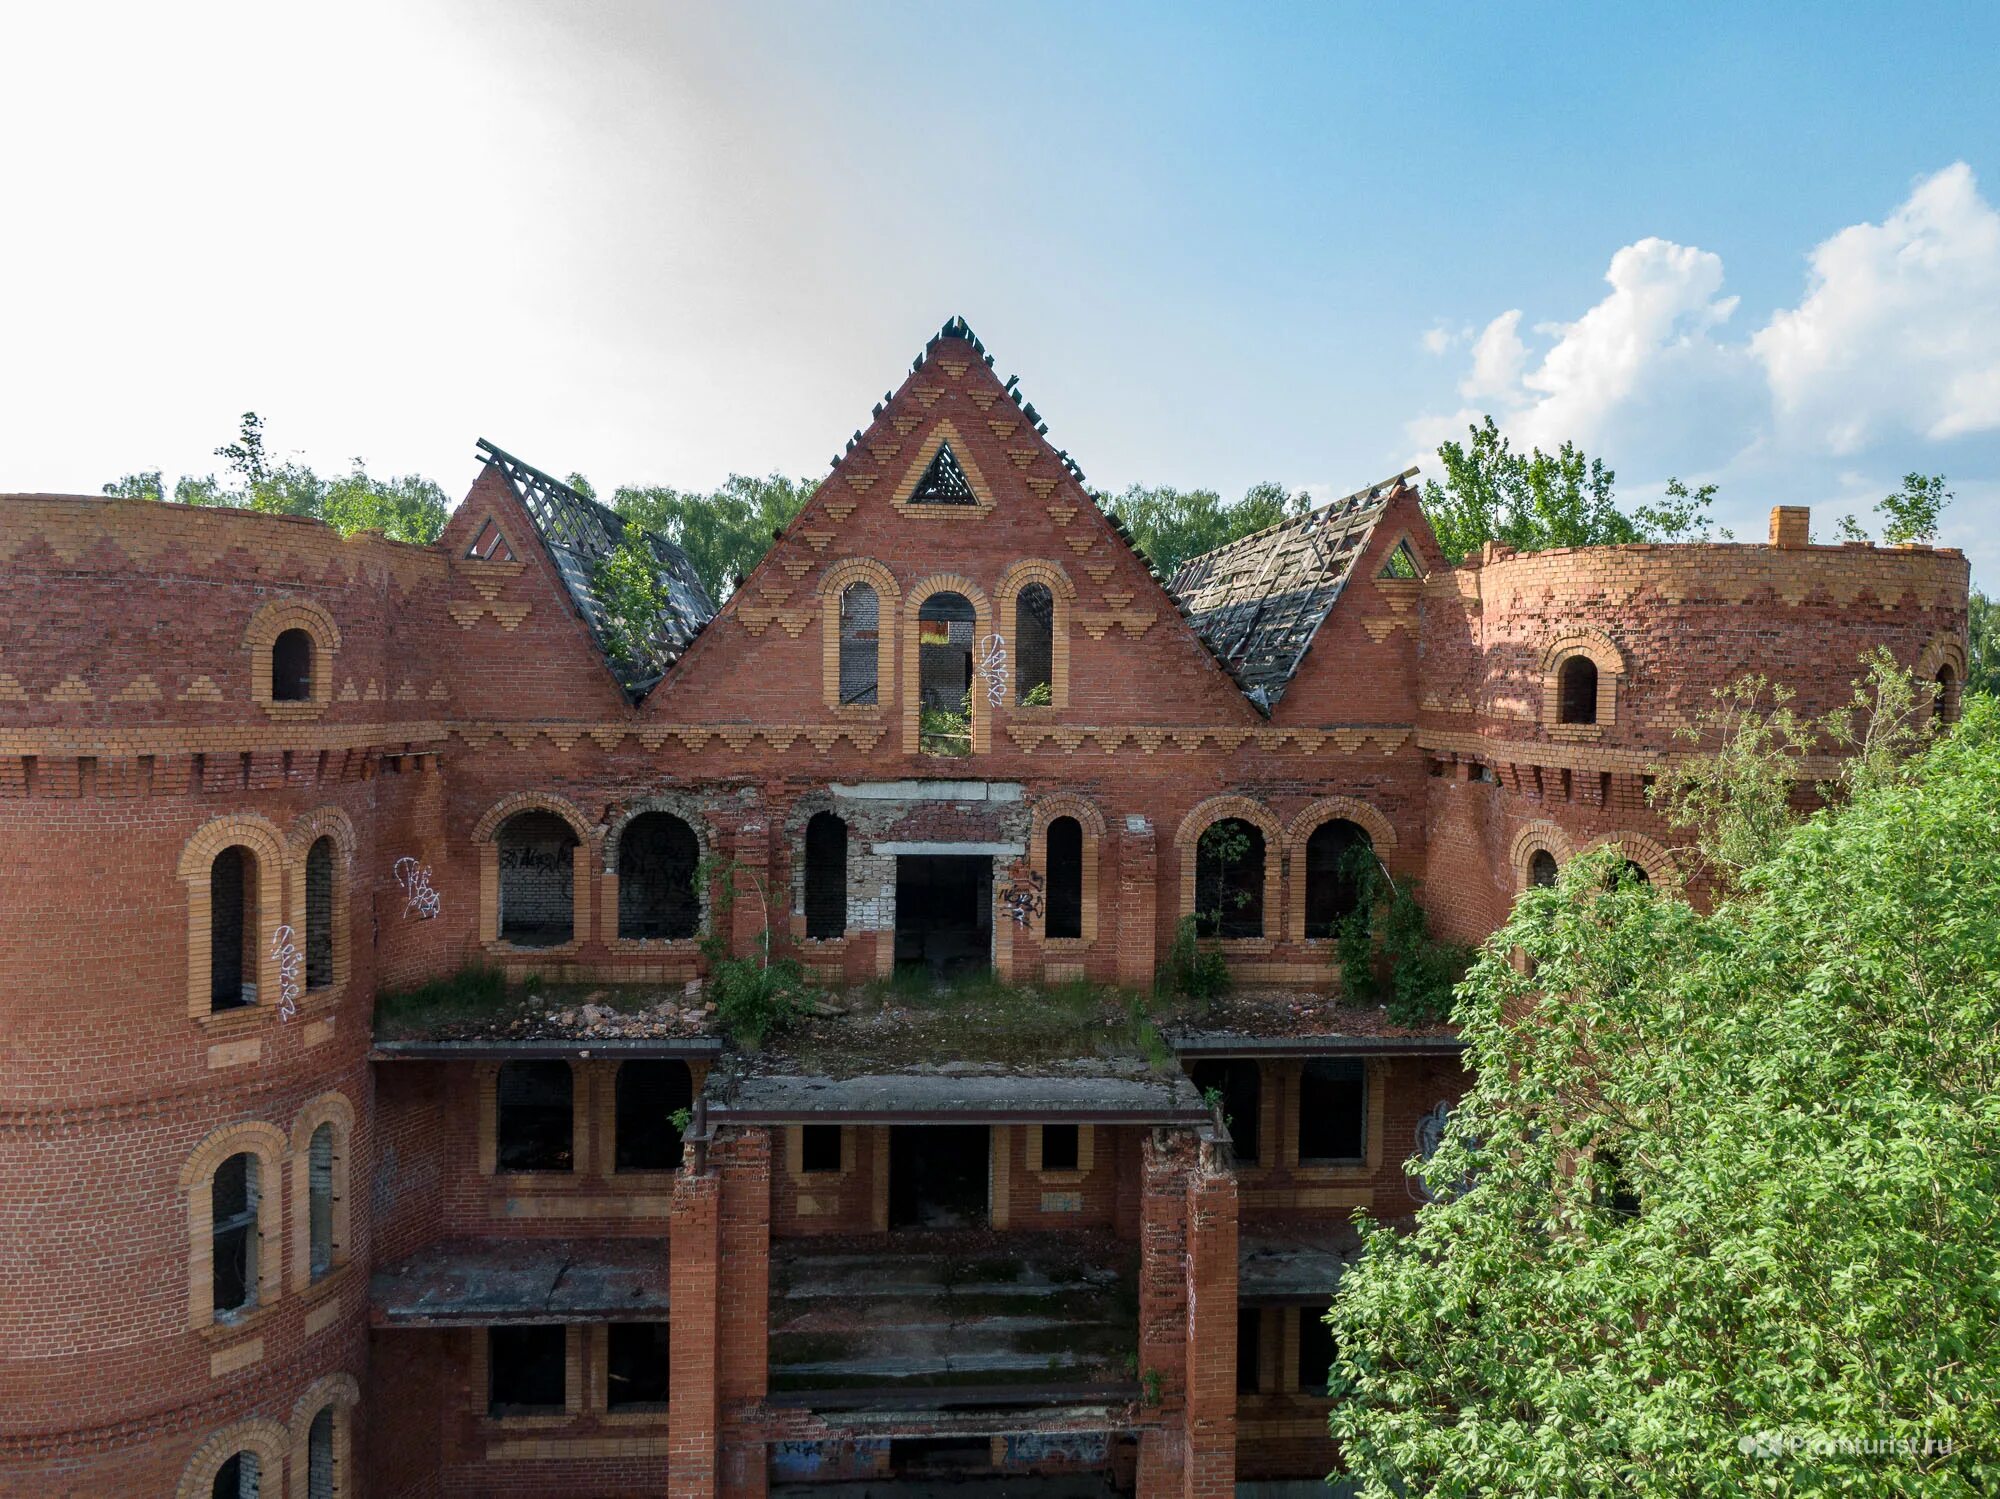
x=1163, y=1308
x=1210, y=1415
x=743, y=1304
x=694, y=1260
x=750, y=847
x=1138, y=901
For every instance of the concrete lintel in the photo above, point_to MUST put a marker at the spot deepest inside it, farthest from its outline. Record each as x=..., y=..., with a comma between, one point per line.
x=996, y=850
x=930, y=791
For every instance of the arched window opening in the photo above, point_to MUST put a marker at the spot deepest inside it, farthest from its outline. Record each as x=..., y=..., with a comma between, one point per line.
x=1630, y=873
x=319, y=913
x=237, y=1478
x=1238, y=1083
x=319, y=1455
x=826, y=877
x=1336, y=865
x=232, y=929
x=234, y=1196
x=535, y=1117
x=319, y=1200
x=1542, y=869
x=657, y=858
x=1229, y=880
x=944, y=675
x=648, y=1093
x=1576, y=690
x=1034, y=645
x=860, y=644
x=1064, y=916
x=291, y=667
x=1944, y=705
x=537, y=880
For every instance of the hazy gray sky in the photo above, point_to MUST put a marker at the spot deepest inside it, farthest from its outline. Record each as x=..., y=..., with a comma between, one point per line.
x=657, y=243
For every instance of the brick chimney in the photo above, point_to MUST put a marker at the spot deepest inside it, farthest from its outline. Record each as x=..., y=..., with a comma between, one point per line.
x=1791, y=525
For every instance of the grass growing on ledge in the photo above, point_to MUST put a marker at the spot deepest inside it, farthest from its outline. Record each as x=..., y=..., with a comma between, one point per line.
x=473, y=993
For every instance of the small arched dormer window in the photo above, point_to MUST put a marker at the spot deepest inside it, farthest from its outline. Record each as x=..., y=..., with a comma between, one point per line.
x=1577, y=690
x=826, y=877
x=1034, y=645
x=860, y=645
x=291, y=667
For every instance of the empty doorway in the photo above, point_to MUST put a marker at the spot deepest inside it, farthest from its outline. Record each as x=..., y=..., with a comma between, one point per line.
x=944, y=912
x=937, y=1175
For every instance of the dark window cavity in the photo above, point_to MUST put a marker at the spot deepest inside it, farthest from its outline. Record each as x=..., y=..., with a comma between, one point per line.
x=648, y=1093
x=291, y=667
x=319, y=913
x=232, y=929
x=1249, y=1348
x=944, y=482
x=319, y=1199
x=826, y=877
x=1034, y=644
x=1229, y=880
x=819, y=1147
x=1335, y=855
x=1316, y=1350
x=534, y=1117
x=319, y=1455
x=637, y=1366
x=1944, y=706
x=945, y=627
x=1614, y=1189
x=1542, y=869
x=537, y=880
x=860, y=644
x=233, y=1200
x=1333, y=1109
x=1059, y=1147
x=657, y=858
x=525, y=1371
x=1239, y=1083
x=1065, y=873
x=237, y=1478
x=1576, y=690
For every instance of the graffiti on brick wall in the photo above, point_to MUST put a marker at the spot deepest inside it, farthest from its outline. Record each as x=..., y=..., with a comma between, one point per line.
x=291, y=965
x=847, y=1457
x=1430, y=1135
x=1084, y=1449
x=992, y=668
x=1023, y=896
x=419, y=899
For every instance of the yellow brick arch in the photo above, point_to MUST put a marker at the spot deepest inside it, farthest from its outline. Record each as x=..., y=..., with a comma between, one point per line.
x=1605, y=654
x=833, y=583
x=485, y=838
x=268, y=1439
x=1540, y=836
x=268, y=1145
x=1062, y=590
x=267, y=847
x=323, y=822
x=1216, y=809
x=341, y=1393
x=982, y=626
x=1298, y=832
x=266, y=625
x=328, y=1108
x=1046, y=810
x=1648, y=853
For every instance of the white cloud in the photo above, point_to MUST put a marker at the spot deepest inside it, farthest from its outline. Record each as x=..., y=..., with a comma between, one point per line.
x=1899, y=331
x=1498, y=358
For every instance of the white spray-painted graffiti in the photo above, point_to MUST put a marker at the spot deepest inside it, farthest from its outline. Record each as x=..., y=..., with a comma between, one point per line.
x=1430, y=1134
x=291, y=963
x=993, y=668
x=420, y=900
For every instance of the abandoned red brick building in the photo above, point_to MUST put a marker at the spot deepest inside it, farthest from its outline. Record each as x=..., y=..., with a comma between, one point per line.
x=253, y=775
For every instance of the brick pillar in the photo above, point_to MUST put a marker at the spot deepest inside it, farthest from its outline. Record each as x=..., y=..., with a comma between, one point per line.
x=1210, y=1413
x=743, y=1296
x=750, y=847
x=1163, y=1309
x=694, y=1260
x=1138, y=901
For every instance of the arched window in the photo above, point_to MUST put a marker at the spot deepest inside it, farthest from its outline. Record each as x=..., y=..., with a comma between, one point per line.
x=1334, y=873
x=1944, y=706
x=234, y=1194
x=1632, y=873
x=1229, y=879
x=647, y=1094
x=657, y=858
x=945, y=626
x=237, y=1478
x=319, y=1456
x=826, y=877
x=534, y=1117
x=1065, y=875
x=1034, y=644
x=232, y=929
x=860, y=644
x=537, y=880
x=1576, y=687
x=291, y=667
x=319, y=1201
x=1542, y=869
x=319, y=913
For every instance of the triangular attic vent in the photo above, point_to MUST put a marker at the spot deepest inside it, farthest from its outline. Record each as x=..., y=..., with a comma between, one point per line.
x=1402, y=563
x=489, y=545
x=943, y=482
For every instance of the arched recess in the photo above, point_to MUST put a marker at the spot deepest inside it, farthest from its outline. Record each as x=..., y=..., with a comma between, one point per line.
x=674, y=806
x=1603, y=653
x=268, y=1439
x=335, y=1110
x=982, y=630
x=267, y=1144
x=1540, y=836
x=266, y=625
x=261, y=839
x=1217, y=809
x=1942, y=665
x=484, y=836
x=1063, y=592
x=338, y=1395
x=1649, y=854
x=888, y=599
x=1298, y=832
x=324, y=822
x=1047, y=809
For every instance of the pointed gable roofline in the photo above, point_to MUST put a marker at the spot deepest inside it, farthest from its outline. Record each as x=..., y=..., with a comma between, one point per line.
x=579, y=534
x=1259, y=601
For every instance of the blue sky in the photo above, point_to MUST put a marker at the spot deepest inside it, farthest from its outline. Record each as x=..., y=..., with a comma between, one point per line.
x=659, y=243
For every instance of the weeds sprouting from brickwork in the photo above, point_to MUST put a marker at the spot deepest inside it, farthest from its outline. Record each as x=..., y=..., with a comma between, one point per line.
x=1386, y=952
x=475, y=993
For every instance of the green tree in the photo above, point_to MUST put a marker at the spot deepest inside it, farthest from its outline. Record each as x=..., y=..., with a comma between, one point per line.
x=1982, y=657
x=1911, y=513
x=140, y=486
x=723, y=532
x=408, y=508
x=1172, y=525
x=1724, y=1182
